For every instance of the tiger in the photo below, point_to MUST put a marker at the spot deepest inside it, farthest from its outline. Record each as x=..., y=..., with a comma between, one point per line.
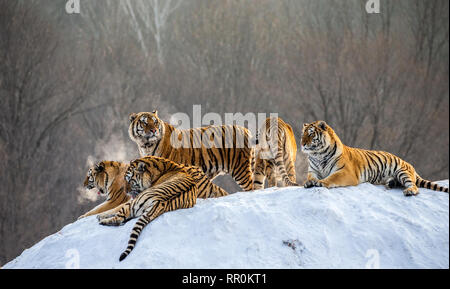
x=158, y=185
x=108, y=178
x=275, y=153
x=217, y=150
x=333, y=164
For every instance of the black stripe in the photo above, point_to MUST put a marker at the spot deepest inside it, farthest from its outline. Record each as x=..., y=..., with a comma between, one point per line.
x=401, y=174
x=333, y=164
x=329, y=155
x=396, y=164
x=382, y=164
x=156, y=147
x=374, y=171
x=220, y=151
x=241, y=170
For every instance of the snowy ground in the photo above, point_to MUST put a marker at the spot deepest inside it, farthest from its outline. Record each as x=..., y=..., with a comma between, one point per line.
x=353, y=227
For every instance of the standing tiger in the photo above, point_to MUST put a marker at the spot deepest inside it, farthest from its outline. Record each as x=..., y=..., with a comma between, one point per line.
x=275, y=153
x=215, y=149
x=333, y=164
x=109, y=178
x=158, y=185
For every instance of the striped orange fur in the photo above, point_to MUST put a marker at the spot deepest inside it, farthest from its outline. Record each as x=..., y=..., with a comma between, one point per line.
x=333, y=164
x=158, y=185
x=108, y=178
x=230, y=154
x=275, y=153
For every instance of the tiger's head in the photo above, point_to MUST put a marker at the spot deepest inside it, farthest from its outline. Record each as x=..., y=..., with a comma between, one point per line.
x=316, y=137
x=145, y=128
x=138, y=177
x=101, y=176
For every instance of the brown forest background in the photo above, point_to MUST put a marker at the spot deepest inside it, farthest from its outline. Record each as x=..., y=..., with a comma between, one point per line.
x=69, y=82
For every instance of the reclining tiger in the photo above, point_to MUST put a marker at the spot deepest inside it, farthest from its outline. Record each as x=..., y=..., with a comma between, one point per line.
x=158, y=185
x=108, y=177
x=333, y=164
x=216, y=150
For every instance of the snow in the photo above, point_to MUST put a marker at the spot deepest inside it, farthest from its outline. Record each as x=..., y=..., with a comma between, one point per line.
x=353, y=227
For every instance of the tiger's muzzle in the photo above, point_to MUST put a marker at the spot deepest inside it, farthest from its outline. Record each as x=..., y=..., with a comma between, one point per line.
x=150, y=138
x=309, y=147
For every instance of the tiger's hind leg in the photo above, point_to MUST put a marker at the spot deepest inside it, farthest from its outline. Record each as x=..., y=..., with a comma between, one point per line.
x=272, y=178
x=391, y=183
x=411, y=191
x=281, y=173
x=243, y=174
x=408, y=180
x=289, y=163
x=259, y=176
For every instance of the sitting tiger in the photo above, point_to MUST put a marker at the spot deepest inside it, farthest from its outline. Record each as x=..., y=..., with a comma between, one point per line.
x=109, y=178
x=158, y=185
x=275, y=153
x=215, y=149
x=333, y=164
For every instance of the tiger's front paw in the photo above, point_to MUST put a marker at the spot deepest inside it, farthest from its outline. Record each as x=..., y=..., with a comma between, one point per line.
x=104, y=216
x=312, y=183
x=110, y=222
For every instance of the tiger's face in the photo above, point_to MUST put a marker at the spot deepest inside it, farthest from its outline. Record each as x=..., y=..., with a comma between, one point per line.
x=315, y=137
x=145, y=128
x=137, y=177
x=97, y=177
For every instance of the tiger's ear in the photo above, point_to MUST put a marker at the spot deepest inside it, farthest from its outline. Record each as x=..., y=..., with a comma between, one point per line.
x=141, y=167
x=100, y=167
x=132, y=116
x=155, y=112
x=322, y=125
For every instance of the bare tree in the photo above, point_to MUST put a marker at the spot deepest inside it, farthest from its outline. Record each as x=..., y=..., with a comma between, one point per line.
x=37, y=98
x=150, y=15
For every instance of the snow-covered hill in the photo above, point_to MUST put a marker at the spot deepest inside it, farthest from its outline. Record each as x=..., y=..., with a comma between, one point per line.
x=353, y=227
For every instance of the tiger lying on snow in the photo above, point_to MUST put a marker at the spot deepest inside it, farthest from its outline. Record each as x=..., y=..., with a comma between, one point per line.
x=158, y=185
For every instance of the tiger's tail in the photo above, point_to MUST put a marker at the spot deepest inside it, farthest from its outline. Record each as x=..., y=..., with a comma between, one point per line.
x=422, y=183
x=137, y=229
x=143, y=221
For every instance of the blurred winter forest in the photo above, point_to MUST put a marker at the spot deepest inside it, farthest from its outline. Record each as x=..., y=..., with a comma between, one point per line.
x=69, y=81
